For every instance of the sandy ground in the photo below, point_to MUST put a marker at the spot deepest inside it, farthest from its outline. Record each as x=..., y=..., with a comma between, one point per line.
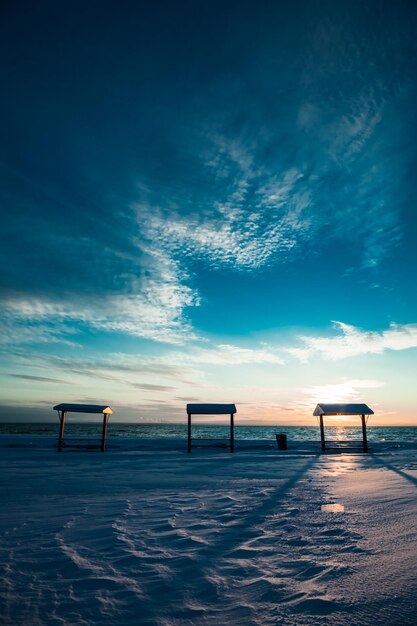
x=147, y=534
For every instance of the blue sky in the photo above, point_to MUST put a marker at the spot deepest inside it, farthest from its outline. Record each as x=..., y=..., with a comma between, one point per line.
x=208, y=201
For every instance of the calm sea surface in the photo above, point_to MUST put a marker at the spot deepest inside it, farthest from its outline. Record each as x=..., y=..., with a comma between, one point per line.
x=295, y=433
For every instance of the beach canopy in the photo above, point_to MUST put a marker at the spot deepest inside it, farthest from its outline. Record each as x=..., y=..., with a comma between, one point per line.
x=324, y=408
x=83, y=408
x=342, y=409
x=65, y=408
x=212, y=409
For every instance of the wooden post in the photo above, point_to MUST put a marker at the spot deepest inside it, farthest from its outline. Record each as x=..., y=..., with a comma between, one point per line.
x=62, y=415
x=104, y=434
x=232, y=434
x=365, y=440
x=189, y=432
x=323, y=442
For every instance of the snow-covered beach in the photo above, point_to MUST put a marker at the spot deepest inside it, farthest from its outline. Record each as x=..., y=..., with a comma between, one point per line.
x=148, y=534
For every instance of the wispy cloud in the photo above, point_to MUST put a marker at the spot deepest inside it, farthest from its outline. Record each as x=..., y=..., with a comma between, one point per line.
x=225, y=354
x=259, y=218
x=335, y=186
x=42, y=379
x=17, y=327
x=352, y=341
x=152, y=387
x=155, y=312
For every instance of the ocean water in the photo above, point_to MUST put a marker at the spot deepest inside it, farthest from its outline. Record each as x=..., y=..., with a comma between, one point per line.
x=179, y=431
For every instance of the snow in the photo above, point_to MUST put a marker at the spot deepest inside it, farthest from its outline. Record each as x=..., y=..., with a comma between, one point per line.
x=148, y=534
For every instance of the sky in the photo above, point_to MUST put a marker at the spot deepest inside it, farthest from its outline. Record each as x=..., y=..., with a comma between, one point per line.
x=208, y=202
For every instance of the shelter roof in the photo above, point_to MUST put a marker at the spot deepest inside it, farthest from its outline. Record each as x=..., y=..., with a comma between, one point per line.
x=211, y=409
x=342, y=409
x=83, y=408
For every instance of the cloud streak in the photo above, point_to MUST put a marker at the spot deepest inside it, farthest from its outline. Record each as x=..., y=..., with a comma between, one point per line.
x=171, y=371
x=353, y=341
x=41, y=379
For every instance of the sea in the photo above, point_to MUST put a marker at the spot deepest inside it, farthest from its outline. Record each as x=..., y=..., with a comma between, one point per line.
x=179, y=431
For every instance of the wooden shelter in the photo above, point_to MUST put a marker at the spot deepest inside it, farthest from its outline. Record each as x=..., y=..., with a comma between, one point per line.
x=63, y=409
x=212, y=409
x=324, y=409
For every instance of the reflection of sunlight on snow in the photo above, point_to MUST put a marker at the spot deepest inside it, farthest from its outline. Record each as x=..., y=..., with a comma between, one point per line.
x=333, y=508
x=339, y=464
x=345, y=463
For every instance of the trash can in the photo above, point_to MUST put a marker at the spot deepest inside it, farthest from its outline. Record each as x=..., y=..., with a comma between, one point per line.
x=281, y=441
